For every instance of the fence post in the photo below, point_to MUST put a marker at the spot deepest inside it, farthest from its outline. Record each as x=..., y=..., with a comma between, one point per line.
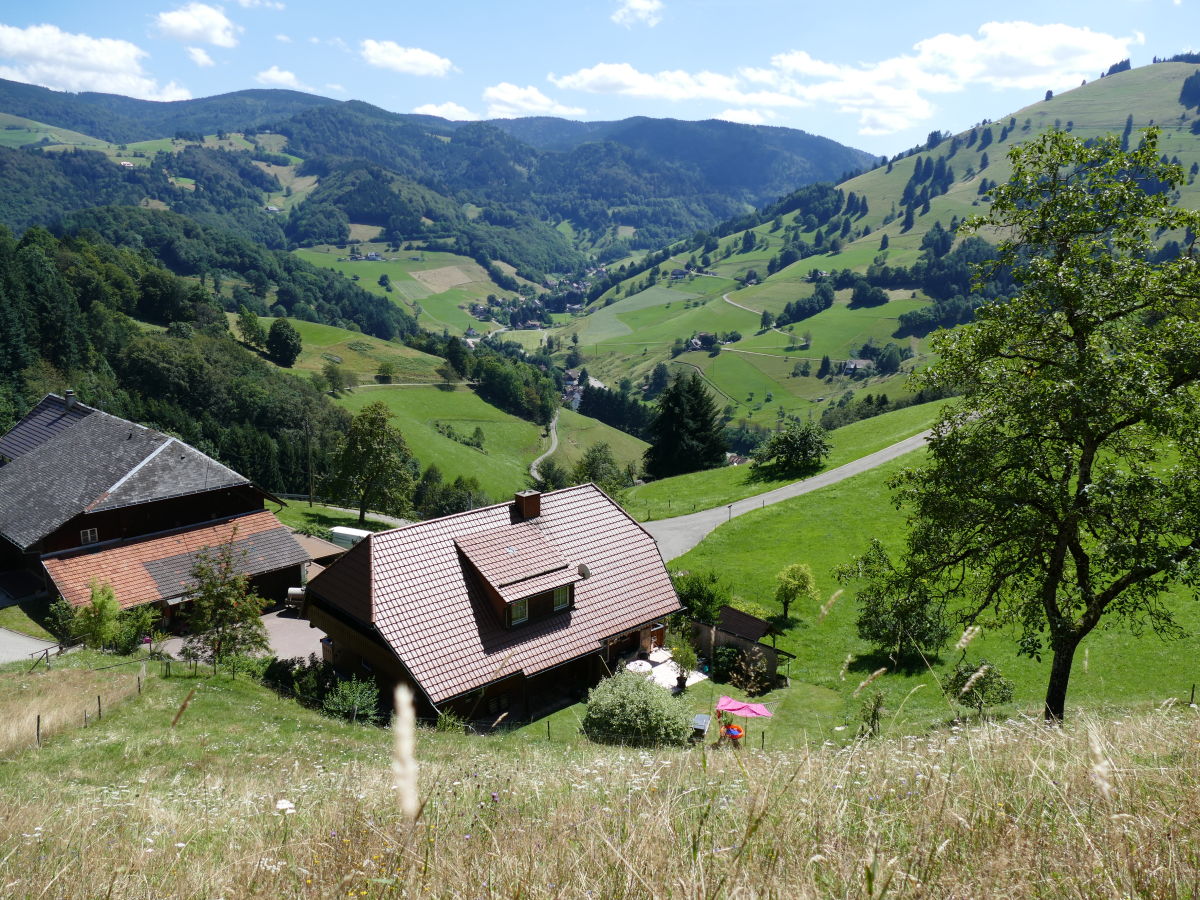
x=39, y=729
x=99, y=709
x=547, y=729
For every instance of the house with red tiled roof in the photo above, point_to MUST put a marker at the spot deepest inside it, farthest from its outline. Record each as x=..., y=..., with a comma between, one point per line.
x=86, y=496
x=502, y=611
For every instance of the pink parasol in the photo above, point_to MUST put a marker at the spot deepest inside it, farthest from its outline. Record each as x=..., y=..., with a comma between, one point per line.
x=737, y=708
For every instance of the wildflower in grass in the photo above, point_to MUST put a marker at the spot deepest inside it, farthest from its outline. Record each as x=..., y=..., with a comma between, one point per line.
x=287, y=807
x=870, y=679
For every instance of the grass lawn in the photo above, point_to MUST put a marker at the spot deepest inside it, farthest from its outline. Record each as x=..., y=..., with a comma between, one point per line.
x=716, y=487
x=27, y=617
x=298, y=514
x=510, y=443
x=827, y=528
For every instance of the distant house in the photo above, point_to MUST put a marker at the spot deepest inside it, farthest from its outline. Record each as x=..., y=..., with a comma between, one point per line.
x=126, y=164
x=87, y=496
x=273, y=209
x=854, y=366
x=677, y=274
x=513, y=608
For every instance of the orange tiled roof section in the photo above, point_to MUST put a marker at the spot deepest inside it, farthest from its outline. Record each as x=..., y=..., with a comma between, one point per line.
x=158, y=568
x=434, y=615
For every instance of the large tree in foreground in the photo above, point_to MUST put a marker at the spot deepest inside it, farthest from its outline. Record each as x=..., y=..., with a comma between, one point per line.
x=372, y=465
x=1063, y=489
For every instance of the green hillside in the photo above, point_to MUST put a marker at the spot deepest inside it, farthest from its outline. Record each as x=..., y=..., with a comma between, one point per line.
x=576, y=434
x=437, y=287
x=358, y=355
x=633, y=325
x=510, y=444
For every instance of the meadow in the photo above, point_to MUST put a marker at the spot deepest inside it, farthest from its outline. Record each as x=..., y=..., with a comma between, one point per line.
x=510, y=444
x=358, y=355
x=716, y=487
x=249, y=795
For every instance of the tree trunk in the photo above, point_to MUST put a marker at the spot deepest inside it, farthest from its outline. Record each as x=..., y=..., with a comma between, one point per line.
x=362, y=511
x=1060, y=674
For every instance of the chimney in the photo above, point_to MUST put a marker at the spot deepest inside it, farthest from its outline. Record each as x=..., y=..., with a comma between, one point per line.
x=69, y=399
x=529, y=504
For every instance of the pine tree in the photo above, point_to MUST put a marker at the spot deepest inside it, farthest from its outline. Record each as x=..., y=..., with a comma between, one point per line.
x=685, y=433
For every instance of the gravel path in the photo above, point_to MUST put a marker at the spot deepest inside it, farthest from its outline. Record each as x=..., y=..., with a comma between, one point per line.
x=679, y=535
x=534, y=472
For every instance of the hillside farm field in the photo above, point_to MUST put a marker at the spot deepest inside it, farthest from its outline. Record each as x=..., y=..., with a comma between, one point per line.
x=358, y=355
x=436, y=287
x=510, y=443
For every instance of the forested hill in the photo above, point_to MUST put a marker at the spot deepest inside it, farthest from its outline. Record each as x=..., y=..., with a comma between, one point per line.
x=112, y=117
x=638, y=183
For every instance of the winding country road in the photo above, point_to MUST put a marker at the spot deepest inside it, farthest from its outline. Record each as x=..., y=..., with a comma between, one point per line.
x=534, y=471
x=679, y=535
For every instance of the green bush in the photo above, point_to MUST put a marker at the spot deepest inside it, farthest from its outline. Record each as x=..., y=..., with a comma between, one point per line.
x=977, y=685
x=60, y=620
x=724, y=660
x=356, y=700
x=630, y=709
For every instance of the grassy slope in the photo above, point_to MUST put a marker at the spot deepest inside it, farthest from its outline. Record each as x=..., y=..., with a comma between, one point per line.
x=577, y=433
x=828, y=527
x=716, y=487
x=441, y=305
x=359, y=355
x=299, y=514
x=133, y=804
x=510, y=443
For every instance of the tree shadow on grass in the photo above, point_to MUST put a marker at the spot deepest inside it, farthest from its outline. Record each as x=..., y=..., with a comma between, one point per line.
x=867, y=663
x=761, y=474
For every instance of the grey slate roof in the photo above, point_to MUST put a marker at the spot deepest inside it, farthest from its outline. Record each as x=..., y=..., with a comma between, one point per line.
x=98, y=462
x=43, y=422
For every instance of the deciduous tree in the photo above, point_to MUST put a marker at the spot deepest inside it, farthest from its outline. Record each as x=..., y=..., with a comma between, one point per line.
x=1063, y=489
x=372, y=464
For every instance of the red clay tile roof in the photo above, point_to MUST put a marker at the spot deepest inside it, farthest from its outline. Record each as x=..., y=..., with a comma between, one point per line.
x=514, y=553
x=151, y=569
x=431, y=610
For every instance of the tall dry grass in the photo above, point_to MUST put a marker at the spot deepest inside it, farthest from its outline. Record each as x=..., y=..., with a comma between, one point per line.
x=1101, y=808
x=61, y=697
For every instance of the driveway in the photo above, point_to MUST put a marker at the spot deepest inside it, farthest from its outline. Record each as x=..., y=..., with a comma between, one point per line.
x=287, y=633
x=15, y=646
x=677, y=536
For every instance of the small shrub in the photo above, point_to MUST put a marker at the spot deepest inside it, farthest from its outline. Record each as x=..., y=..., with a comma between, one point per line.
x=723, y=662
x=60, y=620
x=450, y=721
x=977, y=685
x=356, y=700
x=870, y=714
x=749, y=673
x=629, y=709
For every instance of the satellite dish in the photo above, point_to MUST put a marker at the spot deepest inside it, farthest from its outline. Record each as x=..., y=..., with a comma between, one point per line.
x=584, y=571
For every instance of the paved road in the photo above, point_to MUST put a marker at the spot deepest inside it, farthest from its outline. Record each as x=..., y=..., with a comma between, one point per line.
x=679, y=535
x=288, y=634
x=533, y=466
x=16, y=646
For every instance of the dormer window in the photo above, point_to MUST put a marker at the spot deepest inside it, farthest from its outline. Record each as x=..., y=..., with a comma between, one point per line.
x=89, y=536
x=518, y=611
x=562, y=597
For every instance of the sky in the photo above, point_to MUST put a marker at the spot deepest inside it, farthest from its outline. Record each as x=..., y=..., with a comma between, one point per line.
x=877, y=76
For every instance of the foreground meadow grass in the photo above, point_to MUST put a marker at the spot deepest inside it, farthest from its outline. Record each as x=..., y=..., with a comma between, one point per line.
x=253, y=796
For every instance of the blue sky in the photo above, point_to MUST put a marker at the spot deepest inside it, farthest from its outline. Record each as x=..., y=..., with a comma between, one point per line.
x=878, y=76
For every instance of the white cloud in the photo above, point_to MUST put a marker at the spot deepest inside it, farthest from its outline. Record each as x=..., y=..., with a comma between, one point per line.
x=198, y=23
x=891, y=94
x=747, y=116
x=508, y=101
x=266, y=4
x=631, y=12
x=200, y=57
x=281, y=78
x=409, y=60
x=335, y=88
x=447, y=111
x=676, y=85
x=283, y=39
x=48, y=56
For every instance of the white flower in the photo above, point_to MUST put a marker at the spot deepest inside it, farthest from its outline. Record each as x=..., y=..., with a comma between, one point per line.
x=287, y=807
